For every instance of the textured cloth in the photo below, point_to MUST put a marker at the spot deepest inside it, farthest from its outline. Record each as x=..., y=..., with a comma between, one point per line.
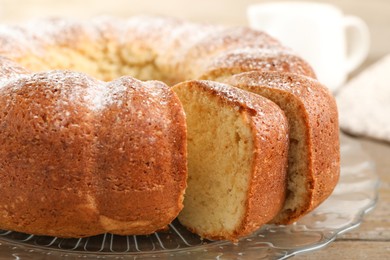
x=364, y=103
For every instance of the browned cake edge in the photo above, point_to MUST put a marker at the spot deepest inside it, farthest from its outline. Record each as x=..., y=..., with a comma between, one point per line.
x=269, y=127
x=321, y=122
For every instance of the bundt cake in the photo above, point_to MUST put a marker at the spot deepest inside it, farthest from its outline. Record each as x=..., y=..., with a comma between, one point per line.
x=313, y=157
x=87, y=149
x=237, y=154
x=80, y=157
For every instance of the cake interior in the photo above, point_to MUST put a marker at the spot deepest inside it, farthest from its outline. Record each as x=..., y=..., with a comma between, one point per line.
x=219, y=162
x=297, y=183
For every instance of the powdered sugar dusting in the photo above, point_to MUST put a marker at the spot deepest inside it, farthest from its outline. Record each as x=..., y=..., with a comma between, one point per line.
x=70, y=88
x=232, y=57
x=250, y=59
x=170, y=48
x=233, y=38
x=14, y=41
x=35, y=36
x=299, y=85
x=241, y=98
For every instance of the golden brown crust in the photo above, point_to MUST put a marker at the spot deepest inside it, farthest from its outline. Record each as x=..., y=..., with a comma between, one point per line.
x=321, y=123
x=82, y=157
x=269, y=130
x=144, y=157
x=270, y=165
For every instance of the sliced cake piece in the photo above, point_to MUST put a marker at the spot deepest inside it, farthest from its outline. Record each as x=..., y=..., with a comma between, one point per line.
x=237, y=158
x=314, y=156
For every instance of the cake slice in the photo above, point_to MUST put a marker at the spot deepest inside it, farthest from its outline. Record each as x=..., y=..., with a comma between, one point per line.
x=237, y=158
x=314, y=156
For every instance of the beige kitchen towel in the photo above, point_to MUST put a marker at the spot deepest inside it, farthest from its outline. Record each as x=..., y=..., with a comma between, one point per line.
x=364, y=102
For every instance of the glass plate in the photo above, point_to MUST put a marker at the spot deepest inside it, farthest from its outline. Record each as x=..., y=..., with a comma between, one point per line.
x=354, y=196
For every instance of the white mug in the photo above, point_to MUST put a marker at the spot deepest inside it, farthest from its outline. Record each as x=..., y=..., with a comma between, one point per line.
x=332, y=43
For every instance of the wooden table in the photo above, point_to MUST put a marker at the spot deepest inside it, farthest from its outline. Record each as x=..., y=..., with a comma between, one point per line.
x=372, y=239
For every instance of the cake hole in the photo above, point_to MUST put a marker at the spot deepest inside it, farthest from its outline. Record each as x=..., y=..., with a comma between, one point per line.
x=99, y=61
